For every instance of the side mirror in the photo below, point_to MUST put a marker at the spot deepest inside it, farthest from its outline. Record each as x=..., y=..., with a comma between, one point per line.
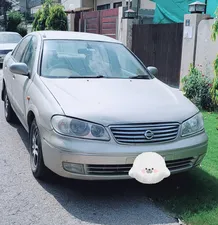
x=153, y=70
x=19, y=68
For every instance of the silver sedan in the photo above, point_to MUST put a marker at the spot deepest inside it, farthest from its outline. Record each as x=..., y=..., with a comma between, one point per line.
x=90, y=107
x=8, y=41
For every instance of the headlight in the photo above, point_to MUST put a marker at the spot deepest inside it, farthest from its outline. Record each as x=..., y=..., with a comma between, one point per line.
x=193, y=125
x=79, y=128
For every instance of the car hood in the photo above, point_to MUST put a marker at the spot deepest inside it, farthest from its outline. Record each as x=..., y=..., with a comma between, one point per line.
x=7, y=46
x=115, y=101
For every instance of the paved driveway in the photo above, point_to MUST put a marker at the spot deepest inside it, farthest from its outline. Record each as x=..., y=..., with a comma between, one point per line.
x=24, y=201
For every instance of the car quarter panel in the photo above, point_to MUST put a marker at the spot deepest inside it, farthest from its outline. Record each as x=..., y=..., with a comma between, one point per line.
x=42, y=103
x=39, y=100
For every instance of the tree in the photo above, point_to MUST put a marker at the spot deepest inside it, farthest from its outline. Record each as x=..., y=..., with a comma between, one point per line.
x=21, y=29
x=50, y=17
x=15, y=23
x=214, y=89
x=215, y=27
x=38, y=22
x=41, y=16
x=14, y=19
x=57, y=19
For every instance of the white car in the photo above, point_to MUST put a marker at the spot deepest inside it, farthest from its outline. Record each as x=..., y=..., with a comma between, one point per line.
x=91, y=107
x=8, y=41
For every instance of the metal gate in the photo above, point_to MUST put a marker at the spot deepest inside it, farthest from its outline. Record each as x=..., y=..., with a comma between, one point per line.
x=100, y=22
x=160, y=45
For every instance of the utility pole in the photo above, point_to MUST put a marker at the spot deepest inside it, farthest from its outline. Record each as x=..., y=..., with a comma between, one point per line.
x=138, y=6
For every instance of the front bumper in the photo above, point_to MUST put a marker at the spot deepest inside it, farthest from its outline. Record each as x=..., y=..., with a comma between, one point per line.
x=110, y=161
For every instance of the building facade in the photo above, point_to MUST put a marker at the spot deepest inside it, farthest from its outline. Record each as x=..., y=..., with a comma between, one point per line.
x=34, y=5
x=106, y=4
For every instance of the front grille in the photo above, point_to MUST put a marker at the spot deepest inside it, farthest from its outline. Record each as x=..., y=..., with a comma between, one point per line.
x=180, y=164
x=136, y=134
x=109, y=170
x=4, y=52
x=116, y=170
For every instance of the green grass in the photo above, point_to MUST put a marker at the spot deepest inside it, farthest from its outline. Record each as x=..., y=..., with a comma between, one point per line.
x=193, y=196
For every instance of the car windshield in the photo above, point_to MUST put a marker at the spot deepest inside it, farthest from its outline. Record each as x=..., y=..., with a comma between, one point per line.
x=9, y=38
x=87, y=59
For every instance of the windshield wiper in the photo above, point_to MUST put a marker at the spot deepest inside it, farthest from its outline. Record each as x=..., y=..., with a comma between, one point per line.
x=89, y=77
x=145, y=76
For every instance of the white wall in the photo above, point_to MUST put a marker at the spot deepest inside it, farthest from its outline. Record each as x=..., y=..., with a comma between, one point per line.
x=125, y=29
x=71, y=4
x=87, y=3
x=103, y=2
x=147, y=4
x=35, y=9
x=29, y=28
x=190, y=41
x=206, y=50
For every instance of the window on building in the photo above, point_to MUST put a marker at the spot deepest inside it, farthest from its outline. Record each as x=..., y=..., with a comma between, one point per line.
x=102, y=7
x=128, y=3
x=117, y=4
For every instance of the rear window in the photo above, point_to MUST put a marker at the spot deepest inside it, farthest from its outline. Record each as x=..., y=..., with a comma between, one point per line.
x=9, y=38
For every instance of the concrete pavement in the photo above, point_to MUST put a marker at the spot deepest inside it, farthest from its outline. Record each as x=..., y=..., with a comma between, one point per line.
x=24, y=200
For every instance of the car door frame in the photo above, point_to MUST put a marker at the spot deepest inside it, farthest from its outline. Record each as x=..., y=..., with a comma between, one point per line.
x=8, y=75
x=18, y=84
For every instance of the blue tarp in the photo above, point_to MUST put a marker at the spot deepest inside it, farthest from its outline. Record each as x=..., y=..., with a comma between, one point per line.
x=172, y=11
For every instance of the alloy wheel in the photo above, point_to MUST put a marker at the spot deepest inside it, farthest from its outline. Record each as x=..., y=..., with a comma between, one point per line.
x=35, y=149
x=6, y=104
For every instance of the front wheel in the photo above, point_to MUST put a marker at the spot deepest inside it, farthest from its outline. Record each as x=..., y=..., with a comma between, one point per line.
x=38, y=167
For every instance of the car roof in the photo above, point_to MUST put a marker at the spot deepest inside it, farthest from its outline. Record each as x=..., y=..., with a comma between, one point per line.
x=69, y=35
x=8, y=32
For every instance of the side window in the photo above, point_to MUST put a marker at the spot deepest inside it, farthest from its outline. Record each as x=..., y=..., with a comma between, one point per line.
x=21, y=48
x=29, y=55
x=127, y=64
x=15, y=50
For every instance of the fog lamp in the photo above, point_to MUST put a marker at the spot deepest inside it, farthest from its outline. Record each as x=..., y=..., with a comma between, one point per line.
x=199, y=160
x=74, y=167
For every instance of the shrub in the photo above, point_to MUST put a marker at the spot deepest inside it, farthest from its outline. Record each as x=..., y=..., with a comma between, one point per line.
x=21, y=29
x=15, y=23
x=214, y=90
x=50, y=17
x=57, y=19
x=197, y=88
x=14, y=19
x=39, y=21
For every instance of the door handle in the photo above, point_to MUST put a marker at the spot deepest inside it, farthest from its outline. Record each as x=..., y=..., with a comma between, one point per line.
x=13, y=76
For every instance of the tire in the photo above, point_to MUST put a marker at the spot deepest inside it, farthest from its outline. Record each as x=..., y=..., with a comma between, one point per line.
x=38, y=167
x=9, y=112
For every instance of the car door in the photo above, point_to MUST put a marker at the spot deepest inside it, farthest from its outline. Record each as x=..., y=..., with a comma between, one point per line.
x=15, y=57
x=22, y=83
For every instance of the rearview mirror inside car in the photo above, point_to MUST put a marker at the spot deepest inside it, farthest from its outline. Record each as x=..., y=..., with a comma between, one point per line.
x=19, y=68
x=153, y=70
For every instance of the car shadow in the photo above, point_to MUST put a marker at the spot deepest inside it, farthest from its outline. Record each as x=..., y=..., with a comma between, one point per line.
x=190, y=192
x=129, y=202
x=106, y=202
x=22, y=133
